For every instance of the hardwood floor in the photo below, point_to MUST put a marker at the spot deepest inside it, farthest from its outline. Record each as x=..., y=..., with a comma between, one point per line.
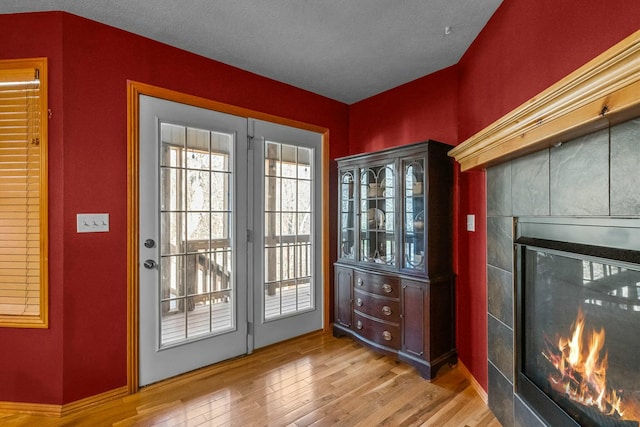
x=315, y=380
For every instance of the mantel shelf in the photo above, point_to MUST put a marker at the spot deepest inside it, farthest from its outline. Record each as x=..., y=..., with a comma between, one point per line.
x=604, y=91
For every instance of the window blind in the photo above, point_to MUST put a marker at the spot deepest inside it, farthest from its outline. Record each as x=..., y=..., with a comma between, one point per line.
x=22, y=284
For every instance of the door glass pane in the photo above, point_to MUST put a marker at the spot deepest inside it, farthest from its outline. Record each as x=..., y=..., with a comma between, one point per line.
x=287, y=228
x=196, y=298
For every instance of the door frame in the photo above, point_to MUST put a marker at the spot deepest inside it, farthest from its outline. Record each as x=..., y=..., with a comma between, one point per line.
x=134, y=90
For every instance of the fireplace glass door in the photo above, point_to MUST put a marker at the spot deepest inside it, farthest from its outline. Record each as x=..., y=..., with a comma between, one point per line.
x=580, y=342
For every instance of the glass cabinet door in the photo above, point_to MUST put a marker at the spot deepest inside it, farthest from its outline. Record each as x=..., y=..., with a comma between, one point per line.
x=347, y=215
x=414, y=220
x=377, y=214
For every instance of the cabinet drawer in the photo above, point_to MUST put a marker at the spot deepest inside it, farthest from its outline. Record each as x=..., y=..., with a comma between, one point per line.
x=377, y=284
x=383, y=308
x=378, y=332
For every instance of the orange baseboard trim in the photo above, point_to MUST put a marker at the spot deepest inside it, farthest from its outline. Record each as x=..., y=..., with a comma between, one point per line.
x=98, y=399
x=31, y=408
x=474, y=383
x=66, y=409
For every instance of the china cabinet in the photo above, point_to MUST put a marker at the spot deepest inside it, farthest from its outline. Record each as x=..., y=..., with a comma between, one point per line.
x=393, y=283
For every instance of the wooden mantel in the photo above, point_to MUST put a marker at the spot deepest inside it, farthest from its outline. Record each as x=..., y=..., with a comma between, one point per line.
x=604, y=91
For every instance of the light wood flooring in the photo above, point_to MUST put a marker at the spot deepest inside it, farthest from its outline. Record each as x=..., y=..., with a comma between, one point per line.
x=315, y=380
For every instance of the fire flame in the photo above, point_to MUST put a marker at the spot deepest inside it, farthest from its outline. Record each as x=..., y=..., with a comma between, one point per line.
x=582, y=369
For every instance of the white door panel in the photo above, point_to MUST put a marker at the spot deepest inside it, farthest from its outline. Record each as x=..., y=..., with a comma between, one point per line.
x=193, y=301
x=288, y=289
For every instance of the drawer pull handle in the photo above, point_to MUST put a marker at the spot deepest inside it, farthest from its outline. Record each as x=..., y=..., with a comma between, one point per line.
x=386, y=310
x=360, y=281
x=359, y=302
x=359, y=324
x=386, y=335
x=387, y=288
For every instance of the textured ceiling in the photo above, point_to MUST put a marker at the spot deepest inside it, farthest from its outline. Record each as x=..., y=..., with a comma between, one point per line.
x=346, y=50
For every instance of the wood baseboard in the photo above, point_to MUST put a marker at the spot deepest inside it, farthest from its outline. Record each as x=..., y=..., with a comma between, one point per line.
x=31, y=408
x=98, y=399
x=66, y=409
x=476, y=385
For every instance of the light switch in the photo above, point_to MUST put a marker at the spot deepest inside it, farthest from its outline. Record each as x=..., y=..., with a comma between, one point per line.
x=471, y=223
x=93, y=223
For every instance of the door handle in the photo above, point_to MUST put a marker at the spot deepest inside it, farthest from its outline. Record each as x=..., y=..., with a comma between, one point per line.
x=149, y=264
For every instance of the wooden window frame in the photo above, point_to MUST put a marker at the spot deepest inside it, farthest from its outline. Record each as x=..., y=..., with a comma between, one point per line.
x=41, y=320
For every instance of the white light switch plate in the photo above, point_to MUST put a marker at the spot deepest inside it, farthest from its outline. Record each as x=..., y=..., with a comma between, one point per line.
x=93, y=223
x=471, y=223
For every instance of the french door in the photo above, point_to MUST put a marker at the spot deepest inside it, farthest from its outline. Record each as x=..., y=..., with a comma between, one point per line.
x=193, y=284
x=226, y=236
x=288, y=282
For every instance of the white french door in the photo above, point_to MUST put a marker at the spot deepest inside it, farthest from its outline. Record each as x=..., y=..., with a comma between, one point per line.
x=228, y=236
x=287, y=248
x=193, y=276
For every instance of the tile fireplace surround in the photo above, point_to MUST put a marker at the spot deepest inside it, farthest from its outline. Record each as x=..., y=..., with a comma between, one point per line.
x=571, y=151
x=596, y=175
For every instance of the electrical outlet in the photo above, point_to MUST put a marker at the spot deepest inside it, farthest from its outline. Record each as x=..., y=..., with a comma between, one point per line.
x=471, y=223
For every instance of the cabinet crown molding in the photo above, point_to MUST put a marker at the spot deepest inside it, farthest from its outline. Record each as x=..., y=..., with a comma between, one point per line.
x=604, y=91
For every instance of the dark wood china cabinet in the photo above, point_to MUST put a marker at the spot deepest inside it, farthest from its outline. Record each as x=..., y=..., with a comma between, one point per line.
x=394, y=284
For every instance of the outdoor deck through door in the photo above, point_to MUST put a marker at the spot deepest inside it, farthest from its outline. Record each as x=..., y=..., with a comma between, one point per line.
x=195, y=233
x=288, y=252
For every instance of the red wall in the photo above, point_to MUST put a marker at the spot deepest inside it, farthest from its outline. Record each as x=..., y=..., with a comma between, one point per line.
x=30, y=360
x=529, y=45
x=524, y=48
x=423, y=109
x=83, y=353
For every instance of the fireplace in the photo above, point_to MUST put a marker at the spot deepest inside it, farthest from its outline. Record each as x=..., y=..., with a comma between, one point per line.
x=578, y=320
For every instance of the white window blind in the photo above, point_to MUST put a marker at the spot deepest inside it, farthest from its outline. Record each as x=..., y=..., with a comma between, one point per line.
x=23, y=208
